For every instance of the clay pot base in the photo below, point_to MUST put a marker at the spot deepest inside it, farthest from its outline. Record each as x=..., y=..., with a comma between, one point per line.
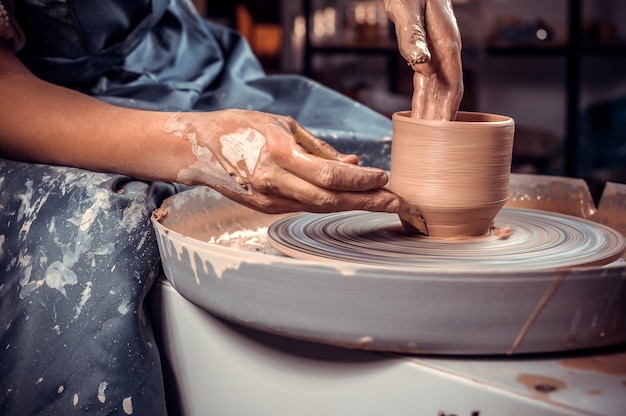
x=535, y=240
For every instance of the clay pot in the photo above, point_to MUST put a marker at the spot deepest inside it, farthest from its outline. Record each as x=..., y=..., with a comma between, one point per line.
x=456, y=173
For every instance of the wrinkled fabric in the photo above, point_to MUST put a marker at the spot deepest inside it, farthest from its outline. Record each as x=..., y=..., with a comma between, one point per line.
x=77, y=250
x=76, y=260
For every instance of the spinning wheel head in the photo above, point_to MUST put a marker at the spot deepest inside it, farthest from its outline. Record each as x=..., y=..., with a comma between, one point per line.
x=539, y=240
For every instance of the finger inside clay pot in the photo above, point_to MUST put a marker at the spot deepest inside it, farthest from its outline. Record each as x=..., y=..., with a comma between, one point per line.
x=456, y=173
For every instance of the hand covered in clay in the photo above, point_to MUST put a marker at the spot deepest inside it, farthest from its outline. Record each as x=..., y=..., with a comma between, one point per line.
x=270, y=163
x=429, y=40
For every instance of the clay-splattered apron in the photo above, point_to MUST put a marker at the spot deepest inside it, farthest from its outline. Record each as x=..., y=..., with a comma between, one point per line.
x=77, y=251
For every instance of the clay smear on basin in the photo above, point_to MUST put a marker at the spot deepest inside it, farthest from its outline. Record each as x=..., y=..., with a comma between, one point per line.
x=540, y=384
x=613, y=364
x=455, y=172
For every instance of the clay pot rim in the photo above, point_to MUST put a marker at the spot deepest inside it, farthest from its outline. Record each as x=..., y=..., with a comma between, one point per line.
x=464, y=118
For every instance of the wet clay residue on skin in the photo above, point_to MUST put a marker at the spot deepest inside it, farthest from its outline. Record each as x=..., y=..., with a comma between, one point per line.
x=225, y=161
x=612, y=364
x=455, y=172
x=539, y=384
x=429, y=40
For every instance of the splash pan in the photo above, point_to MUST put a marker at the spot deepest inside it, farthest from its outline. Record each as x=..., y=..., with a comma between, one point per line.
x=218, y=255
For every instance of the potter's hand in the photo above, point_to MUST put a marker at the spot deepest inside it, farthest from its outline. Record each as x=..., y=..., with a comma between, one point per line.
x=429, y=40
x=270, y=163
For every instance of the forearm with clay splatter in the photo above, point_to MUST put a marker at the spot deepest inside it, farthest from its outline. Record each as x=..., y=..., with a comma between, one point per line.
x=267, y=162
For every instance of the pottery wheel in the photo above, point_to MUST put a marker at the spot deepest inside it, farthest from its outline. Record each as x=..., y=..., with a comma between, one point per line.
x=540, y=240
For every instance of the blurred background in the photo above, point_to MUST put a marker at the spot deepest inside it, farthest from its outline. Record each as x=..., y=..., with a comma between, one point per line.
x=558, y=67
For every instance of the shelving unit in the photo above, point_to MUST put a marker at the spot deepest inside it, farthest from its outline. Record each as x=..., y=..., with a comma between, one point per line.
x=381, y=47
x=573, y=51
x=572, y=96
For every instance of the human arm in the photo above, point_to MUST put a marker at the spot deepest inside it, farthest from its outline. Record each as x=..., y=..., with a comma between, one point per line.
x=42, y=122
x=45, y=123
x=429, y=40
